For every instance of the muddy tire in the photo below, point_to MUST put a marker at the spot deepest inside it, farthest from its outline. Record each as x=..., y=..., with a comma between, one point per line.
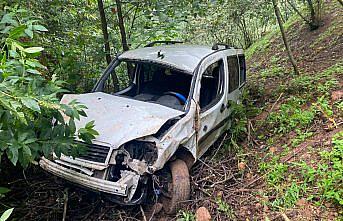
x=179, y=187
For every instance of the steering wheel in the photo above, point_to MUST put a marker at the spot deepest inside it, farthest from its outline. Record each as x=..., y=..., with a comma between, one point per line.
x=182, y=99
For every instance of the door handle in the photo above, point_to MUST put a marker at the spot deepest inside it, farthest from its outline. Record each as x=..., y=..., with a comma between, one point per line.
x=222, y=108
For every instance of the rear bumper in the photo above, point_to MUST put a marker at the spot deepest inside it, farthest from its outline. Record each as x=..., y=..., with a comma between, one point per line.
x=120, y=188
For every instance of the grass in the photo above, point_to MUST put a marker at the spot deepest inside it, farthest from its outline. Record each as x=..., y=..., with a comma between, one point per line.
x=317, y=182
x=260, y=45
x=291, y=116
x=185, y=216
x=315, y=84
x=263, y=43
x=331, y=32
x=225, y=208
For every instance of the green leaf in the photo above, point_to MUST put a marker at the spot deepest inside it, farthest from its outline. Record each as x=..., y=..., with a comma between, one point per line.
x=30, y=140
x=33, y=50
x=7, y=19
x=31, y=104
x=47, y=149
x=90, y=124
x=4, y=190
x=6, y=214
x=29, y=32
x=35, y=64
x=39, y=28
x=26, y=156
x=6, y=30
x=72, y=126
x=33, y=71
x=17, y=32
x=12, y=154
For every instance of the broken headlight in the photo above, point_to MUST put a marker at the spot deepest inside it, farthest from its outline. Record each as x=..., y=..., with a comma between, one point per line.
x=142, y=151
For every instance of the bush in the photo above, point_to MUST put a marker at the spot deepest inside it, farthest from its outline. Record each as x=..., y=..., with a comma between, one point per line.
x=28, y=101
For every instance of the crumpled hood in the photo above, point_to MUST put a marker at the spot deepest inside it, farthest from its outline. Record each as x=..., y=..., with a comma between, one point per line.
x=119, y=119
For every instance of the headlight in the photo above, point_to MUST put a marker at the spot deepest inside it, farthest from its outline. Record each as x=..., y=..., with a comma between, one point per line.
x=142, y=150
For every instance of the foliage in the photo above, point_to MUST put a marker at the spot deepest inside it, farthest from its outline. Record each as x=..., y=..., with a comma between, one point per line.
x=3, y=190
x=315, y=84
x=330, y=183
x=225, y=208
x=237, y=23
x=320, y=182
x=6, y=215
x=290, y=116
x=186, y=216
x=28, y=100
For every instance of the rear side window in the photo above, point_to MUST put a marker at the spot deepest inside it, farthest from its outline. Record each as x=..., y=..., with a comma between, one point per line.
x=233, y=73
x=242, y=67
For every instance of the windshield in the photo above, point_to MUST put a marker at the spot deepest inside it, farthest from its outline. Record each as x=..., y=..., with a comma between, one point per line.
x=147, y=82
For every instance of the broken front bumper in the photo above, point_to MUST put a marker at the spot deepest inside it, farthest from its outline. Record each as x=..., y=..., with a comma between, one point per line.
x=121, y=187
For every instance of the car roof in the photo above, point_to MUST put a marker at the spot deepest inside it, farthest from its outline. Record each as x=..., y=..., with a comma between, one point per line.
x=182, y=57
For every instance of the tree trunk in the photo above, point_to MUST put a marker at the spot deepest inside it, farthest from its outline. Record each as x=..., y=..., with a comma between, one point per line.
x=121, y=26
x=299, y=13
x=104, y=31
x=124, y=44
x=282, y=30
x=106, y=41
x=314, y=18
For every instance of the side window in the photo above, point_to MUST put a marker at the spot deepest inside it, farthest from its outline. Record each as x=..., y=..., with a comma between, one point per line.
x=233, y=73
x=119, y=78
x=212, y=84
x=242, y=68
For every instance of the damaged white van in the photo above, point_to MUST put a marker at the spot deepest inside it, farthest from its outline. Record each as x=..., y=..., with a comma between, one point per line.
x=172, y=103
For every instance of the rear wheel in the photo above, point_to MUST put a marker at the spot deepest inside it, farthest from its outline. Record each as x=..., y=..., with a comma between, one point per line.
x=178, y=187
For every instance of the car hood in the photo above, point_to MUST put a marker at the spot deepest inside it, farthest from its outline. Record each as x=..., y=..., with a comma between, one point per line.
x=119, y=119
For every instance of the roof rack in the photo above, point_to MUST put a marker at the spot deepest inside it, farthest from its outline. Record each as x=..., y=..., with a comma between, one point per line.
x=163, y=42
x=215, y=46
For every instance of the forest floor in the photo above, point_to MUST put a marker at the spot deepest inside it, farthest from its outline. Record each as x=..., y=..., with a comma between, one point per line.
x=286, y=166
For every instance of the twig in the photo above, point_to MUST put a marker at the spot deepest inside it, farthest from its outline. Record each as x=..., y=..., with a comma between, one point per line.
x=254, y=181
x=222, y=181
x=284, y=216
x=219, y=147
x=277, y=100
x=143, y=214
x=65, y=204
x=272, y=108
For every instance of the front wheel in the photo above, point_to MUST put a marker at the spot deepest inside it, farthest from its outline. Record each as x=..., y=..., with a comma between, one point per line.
x=178, y=187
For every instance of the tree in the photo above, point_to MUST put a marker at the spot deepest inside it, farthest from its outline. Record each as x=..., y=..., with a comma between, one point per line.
x=315, y=13
x=122, y=26
x=284, y=38
x=29, y=101
x=104, y=31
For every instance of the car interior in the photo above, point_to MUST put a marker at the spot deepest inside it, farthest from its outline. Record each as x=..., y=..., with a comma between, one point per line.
x=163, y=85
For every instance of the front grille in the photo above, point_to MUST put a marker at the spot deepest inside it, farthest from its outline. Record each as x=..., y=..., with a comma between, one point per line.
x=96, y=153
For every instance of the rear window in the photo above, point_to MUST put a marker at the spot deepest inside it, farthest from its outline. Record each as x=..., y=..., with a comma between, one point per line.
x=233, y=73
x=242, y=69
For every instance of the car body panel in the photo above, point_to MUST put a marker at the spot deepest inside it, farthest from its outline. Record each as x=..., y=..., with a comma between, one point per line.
x=125, y=118
x=182, y=57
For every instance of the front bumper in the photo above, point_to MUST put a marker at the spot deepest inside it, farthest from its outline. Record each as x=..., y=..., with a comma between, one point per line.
x=121, y=187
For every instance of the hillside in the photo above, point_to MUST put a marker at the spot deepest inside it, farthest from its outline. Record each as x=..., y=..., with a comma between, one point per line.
x=288, y=165
x=297, y=137
x=281, y=161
